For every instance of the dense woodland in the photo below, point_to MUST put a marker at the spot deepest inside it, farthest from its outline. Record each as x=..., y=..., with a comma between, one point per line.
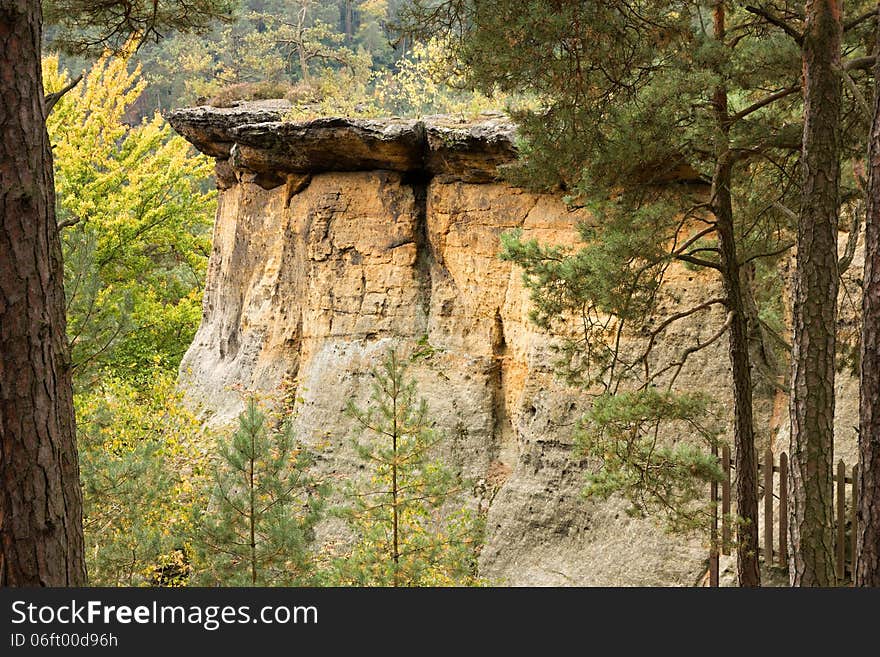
x=628, y=108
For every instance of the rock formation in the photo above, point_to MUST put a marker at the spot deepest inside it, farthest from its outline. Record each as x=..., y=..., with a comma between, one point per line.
x=337, y=238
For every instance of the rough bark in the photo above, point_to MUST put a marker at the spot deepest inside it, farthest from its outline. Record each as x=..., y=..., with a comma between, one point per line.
x=867, y=570
x=348, y=22
x=748, y=572
x=41, y=542
x=811, y=547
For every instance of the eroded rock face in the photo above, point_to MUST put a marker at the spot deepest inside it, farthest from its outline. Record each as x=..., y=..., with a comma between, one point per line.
x=316, y=272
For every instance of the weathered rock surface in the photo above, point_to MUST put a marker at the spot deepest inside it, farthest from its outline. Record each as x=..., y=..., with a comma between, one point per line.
x=315, y=272
x=257, y=140
x=209, y=128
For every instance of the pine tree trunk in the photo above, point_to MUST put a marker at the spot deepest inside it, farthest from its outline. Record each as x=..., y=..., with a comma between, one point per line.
x=349, y=29
x=252, y=510
x=815, y=305
x=395, y=521
x=867, y=570
x=41, y=541
x=748, y=572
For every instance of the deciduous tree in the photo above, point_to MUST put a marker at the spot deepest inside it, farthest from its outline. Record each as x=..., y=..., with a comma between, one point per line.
x=41, y=539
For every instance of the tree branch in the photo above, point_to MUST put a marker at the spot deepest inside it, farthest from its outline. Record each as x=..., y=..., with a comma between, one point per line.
x=766, y=100
x=854, y=90
x=678, y=365
x=674, y=318
x=55, y=96
x=787, y=211
x=769, y=254
x=858, y=20
x=861, y=63
x=851, y=241
x=690, y=241
x=773, y=334
x=778, y=22
x=699, y=262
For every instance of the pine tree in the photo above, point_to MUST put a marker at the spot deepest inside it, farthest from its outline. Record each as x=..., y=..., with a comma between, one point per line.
x=41, y=539
x=619, y=431
x=867, y=568
x=648, y=105
x=264, y=506
x=814, y=311
x=408, y=528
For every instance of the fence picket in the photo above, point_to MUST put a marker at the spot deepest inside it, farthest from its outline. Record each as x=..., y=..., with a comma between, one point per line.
x=713, y=554
x=768, y=506
x=854, y=514
x=783, y=509
x=841, y=520
x=725, y=500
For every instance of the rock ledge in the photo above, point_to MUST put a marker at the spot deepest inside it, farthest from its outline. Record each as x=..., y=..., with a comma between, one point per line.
x=255, y=138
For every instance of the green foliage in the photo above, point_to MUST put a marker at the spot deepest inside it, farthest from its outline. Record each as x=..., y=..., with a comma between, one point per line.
x=281, y=41
x=424, y=350
x=141, y=463
x=620, y=434
x=336, y=57
x=609, y=283
x=427, y=81
x=424, y=81
x=135, y=225
x=409, y=530
x=86, y=26
x=264, y=505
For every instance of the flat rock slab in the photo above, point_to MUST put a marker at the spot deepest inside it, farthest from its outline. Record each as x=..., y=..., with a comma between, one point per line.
x=329, y=144
x=469, y=150
x=256, y=138
x=209, y=129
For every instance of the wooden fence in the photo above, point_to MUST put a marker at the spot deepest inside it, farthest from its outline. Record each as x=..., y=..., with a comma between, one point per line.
x=774, y=548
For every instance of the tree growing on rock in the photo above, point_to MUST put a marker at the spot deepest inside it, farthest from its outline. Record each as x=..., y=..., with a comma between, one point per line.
x=408, y=528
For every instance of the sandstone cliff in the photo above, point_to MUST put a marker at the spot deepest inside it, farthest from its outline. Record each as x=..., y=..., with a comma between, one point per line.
x=337, y=238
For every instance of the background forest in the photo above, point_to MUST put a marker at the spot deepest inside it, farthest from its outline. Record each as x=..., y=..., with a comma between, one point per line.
x=326, y=57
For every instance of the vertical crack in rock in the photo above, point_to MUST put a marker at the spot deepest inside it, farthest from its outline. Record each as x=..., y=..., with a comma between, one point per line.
x=418, y=181
x=503, y=424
